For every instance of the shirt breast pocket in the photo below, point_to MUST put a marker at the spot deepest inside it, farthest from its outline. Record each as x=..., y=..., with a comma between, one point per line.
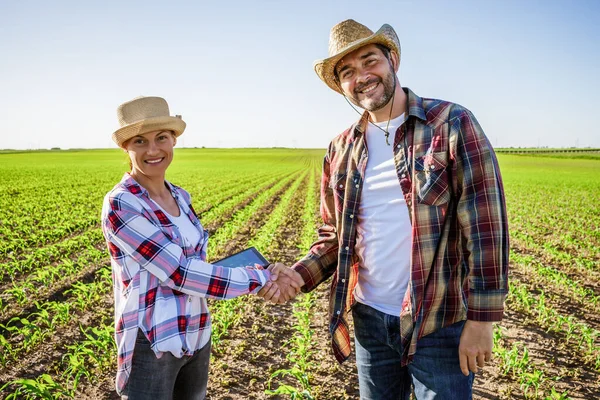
x=432, y=180
x=338, y=185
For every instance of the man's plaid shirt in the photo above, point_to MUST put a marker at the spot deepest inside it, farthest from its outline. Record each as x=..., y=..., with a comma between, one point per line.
x=160, y=284
x=451, y=182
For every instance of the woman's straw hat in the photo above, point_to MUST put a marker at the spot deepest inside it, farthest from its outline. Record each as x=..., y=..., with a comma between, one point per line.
x=145, y=114
x=346, y=37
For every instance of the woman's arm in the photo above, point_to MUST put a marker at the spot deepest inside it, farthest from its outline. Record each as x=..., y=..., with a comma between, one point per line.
x=130, y=234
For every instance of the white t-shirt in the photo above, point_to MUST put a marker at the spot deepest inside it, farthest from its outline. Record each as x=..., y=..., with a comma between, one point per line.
x=189, y=233
x=383, y=241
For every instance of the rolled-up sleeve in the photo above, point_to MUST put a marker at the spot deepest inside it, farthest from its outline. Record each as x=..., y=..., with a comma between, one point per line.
x=131, y=234
x=321, y=262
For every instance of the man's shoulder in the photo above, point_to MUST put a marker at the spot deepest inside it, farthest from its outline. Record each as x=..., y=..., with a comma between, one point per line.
x=345, y=135
x=441, y=111
x=342, y=139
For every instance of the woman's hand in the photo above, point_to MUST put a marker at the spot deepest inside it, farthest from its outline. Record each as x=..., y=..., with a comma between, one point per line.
x=284, y=285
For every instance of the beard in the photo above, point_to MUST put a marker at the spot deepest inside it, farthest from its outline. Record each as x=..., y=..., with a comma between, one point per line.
x=374, y=104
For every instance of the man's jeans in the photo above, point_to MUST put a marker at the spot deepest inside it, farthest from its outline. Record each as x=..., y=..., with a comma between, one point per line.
x=167, y=377
x=434, y=373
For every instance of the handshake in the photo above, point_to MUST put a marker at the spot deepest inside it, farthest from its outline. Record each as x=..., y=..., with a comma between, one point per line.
x=284, y=285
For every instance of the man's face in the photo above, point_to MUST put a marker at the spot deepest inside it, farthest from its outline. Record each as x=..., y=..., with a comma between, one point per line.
x=366, y=77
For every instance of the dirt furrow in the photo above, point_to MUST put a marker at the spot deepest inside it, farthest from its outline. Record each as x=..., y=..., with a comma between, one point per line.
x=104, y=389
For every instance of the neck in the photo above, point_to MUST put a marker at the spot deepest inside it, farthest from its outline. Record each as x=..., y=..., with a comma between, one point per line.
x=155, y=185
x=388, y=112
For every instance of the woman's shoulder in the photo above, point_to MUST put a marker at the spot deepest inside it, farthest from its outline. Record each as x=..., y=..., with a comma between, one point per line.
x=121, y=196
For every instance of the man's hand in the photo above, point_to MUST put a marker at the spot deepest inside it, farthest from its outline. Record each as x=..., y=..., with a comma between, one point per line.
x=475, y=348
x=284, y=285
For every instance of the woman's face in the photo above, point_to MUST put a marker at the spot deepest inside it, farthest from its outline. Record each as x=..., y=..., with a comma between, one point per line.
x=151, y=153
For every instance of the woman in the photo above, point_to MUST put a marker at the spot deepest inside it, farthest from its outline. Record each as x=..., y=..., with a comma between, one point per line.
x=161, y=279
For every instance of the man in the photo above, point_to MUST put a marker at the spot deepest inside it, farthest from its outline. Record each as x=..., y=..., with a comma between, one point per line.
x=415, y=231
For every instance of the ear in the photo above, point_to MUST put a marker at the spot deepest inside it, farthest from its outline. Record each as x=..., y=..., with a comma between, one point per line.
x=395, y=60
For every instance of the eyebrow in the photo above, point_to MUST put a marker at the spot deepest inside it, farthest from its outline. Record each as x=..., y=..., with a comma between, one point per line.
x=345, y=67
x=157, y=134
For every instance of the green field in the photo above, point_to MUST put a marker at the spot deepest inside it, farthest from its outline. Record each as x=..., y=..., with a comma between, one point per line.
x=56, y=292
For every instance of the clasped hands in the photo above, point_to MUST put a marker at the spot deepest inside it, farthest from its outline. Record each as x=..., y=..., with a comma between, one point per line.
x=284, y=285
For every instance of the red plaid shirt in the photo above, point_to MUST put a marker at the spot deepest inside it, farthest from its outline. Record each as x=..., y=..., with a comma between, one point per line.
x=160, y=284
x=451, y=181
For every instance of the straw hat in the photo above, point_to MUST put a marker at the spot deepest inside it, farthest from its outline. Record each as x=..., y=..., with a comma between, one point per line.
x=145, y=114
x=346, y=37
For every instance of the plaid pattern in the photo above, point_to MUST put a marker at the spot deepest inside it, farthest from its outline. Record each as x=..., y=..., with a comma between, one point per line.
x=451, y=182
x=161, y=285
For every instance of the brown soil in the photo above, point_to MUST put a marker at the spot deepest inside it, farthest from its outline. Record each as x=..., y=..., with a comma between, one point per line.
x=257, y=345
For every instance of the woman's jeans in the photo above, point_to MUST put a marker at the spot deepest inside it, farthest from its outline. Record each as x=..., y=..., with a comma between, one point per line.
x=167, y=377
x=434, y=373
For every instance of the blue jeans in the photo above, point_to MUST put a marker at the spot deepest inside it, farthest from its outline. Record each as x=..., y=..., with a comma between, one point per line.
x=167, y=377
x=434, y=373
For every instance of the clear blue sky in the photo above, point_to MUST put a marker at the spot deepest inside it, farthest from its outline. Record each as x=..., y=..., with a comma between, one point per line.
x=240, y=72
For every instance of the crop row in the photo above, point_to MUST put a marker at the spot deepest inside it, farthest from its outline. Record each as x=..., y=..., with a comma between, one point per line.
x=21, y=386
x=301, y=345
x=29, y=227
x=226, y=313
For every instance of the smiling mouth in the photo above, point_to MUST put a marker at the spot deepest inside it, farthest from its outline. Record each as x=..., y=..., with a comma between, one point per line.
x=154, y=161
x=371, y=87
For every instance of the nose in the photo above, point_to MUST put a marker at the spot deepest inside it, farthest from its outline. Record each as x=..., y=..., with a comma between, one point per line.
x=362, y=77
x=152, y=148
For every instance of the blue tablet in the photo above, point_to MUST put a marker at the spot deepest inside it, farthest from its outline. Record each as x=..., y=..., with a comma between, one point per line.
x=248, y=257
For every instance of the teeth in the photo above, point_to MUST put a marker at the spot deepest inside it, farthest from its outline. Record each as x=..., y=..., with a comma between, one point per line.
x=154, y=161
x=367, y=90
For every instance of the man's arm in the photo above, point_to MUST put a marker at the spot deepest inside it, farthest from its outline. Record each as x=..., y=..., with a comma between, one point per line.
x=284, y=285
x=481, y=213
x=321, y=261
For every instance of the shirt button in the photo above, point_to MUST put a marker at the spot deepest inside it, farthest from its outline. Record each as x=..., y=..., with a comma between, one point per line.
x=351, y=215
x=398, y=146
x=403, y=175
x=341, y=186
x=338, y=312
x=343, y=281
x=357, y=186
x=190, y=300
x=347, y=248
x=432, y=166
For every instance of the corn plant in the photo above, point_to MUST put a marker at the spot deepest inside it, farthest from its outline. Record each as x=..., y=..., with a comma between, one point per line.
x=43, y=387
x=301, y=343
x=226, y=313
x=95, y=352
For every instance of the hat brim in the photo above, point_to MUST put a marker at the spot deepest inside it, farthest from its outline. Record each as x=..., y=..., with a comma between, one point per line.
x=166, y=123
x=325, y=68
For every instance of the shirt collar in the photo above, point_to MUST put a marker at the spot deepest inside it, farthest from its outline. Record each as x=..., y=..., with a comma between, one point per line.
x=415, y=108
x=135, y=188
